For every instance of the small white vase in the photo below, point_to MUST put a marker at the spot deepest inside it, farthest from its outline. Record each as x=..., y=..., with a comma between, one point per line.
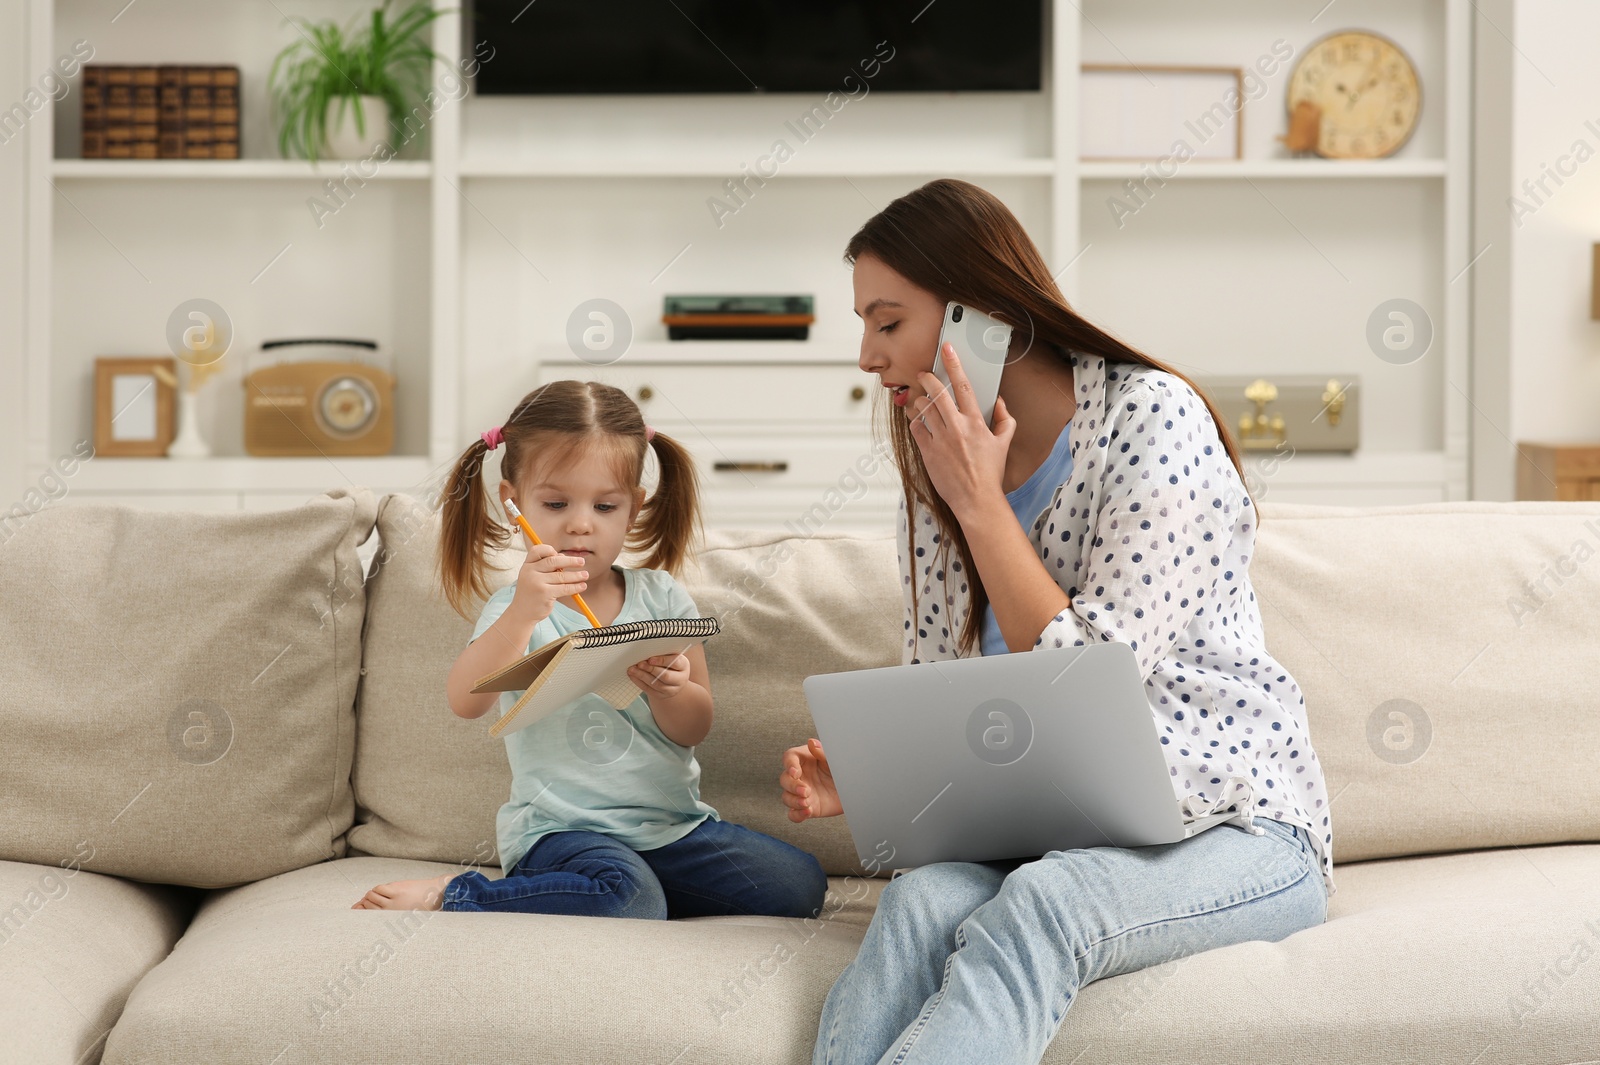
x=188, y=444
x=343, y=141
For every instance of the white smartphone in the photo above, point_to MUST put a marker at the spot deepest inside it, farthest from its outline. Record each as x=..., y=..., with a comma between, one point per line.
x=981, y=343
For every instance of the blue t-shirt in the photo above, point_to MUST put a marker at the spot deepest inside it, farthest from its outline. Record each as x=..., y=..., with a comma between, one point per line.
x=1027, y=500
x=589, y=767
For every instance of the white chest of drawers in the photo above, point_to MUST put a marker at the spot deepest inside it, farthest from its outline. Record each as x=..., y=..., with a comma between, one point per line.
x=782, y=431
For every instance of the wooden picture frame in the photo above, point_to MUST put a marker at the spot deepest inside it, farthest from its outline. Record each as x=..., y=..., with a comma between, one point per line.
x=134, y=407
x=1136, y=113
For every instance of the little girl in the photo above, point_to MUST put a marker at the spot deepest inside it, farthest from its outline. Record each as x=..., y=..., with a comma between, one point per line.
x=605, y=817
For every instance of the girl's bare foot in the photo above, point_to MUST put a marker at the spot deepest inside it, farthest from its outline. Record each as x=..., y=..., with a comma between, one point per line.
x=406, y=895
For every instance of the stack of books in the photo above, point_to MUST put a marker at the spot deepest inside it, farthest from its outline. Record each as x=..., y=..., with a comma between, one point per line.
x=160, y=112
x=738, y=317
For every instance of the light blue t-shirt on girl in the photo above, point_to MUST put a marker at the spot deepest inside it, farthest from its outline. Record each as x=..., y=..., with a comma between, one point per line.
x=1027, y=500
x=588, y=767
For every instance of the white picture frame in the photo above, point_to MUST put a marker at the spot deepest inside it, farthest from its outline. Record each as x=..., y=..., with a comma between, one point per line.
x=1143, y=113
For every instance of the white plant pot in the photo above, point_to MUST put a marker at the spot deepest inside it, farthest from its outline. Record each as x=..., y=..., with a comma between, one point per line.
x=344, y=142
x=188, y=444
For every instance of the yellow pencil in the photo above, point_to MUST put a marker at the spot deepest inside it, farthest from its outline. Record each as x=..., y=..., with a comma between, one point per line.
x=516, y=516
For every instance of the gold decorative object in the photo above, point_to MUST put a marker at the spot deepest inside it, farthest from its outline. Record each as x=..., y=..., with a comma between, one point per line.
x=1258, y=429
x=1289, y=412
x=1333, y=400
x=1305, y=125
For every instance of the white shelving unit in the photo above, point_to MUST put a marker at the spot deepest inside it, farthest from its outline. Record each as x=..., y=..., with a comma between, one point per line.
x=690, y=168
x=223, y=170
x=1271, y=265
x=467, y=261
x=1273, y=169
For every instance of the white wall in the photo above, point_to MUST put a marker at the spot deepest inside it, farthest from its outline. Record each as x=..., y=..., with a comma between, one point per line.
x=13, y=217
x=1554, y=345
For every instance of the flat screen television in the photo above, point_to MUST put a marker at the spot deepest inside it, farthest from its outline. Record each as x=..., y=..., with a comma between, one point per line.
x=742, y=46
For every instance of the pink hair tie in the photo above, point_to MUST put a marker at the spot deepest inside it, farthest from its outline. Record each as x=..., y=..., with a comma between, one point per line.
x=494, y=438
x=649, y=433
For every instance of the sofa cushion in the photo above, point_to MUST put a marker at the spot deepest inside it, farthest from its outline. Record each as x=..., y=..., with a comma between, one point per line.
x=285, y=967
x=428, y=784
x=177, y=692
x=790, y=607
x=1445, y=653
x=1481, y=957
x=72, y=946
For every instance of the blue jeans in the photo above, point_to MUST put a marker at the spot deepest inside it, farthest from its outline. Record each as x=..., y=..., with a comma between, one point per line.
x=967, y=962
x=716, y=870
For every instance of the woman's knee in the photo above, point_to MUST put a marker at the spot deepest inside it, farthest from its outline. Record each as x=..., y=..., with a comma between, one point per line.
x=1301, y=905
x=1031, y=900
x=931, y=900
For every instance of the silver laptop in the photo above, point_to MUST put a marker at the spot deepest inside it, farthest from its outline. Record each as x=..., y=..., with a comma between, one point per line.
x=998, y=757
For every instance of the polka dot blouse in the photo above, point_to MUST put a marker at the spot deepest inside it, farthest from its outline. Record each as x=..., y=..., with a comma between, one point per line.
x=1150, y=538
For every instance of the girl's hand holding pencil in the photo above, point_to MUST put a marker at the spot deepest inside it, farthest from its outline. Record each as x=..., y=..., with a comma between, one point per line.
x=545, y=577
x=533, y=538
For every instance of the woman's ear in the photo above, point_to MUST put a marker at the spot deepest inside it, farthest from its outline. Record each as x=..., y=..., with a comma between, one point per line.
x=507, y=491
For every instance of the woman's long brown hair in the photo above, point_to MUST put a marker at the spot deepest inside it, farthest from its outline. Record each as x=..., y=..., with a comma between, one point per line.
x=959, y=242
x=550, y=425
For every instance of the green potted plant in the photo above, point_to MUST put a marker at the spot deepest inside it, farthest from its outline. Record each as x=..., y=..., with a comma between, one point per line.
x=333, y=90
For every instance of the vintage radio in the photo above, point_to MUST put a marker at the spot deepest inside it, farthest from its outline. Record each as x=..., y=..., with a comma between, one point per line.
x=319, y=397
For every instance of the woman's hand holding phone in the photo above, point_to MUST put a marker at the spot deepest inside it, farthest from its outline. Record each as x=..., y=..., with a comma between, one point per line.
x=983, y=345
x=966, y=460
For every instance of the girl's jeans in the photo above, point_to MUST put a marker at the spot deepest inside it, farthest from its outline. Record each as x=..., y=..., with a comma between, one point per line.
x=716, y=870
x=979, y=962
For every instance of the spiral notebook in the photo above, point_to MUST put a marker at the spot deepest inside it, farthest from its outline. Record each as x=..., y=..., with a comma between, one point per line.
x=588, y=660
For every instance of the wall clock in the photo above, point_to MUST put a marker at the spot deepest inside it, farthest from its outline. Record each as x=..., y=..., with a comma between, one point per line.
x=1365, y=90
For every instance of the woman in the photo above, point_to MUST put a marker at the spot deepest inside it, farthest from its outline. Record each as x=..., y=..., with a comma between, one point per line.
x=1105, y=504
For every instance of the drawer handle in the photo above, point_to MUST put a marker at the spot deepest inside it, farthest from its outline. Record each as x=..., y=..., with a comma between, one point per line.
x=646, y=392
x=751, y=467
x=858, y=393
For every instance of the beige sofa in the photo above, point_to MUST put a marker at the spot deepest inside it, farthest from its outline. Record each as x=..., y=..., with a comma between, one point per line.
x=218, y=734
